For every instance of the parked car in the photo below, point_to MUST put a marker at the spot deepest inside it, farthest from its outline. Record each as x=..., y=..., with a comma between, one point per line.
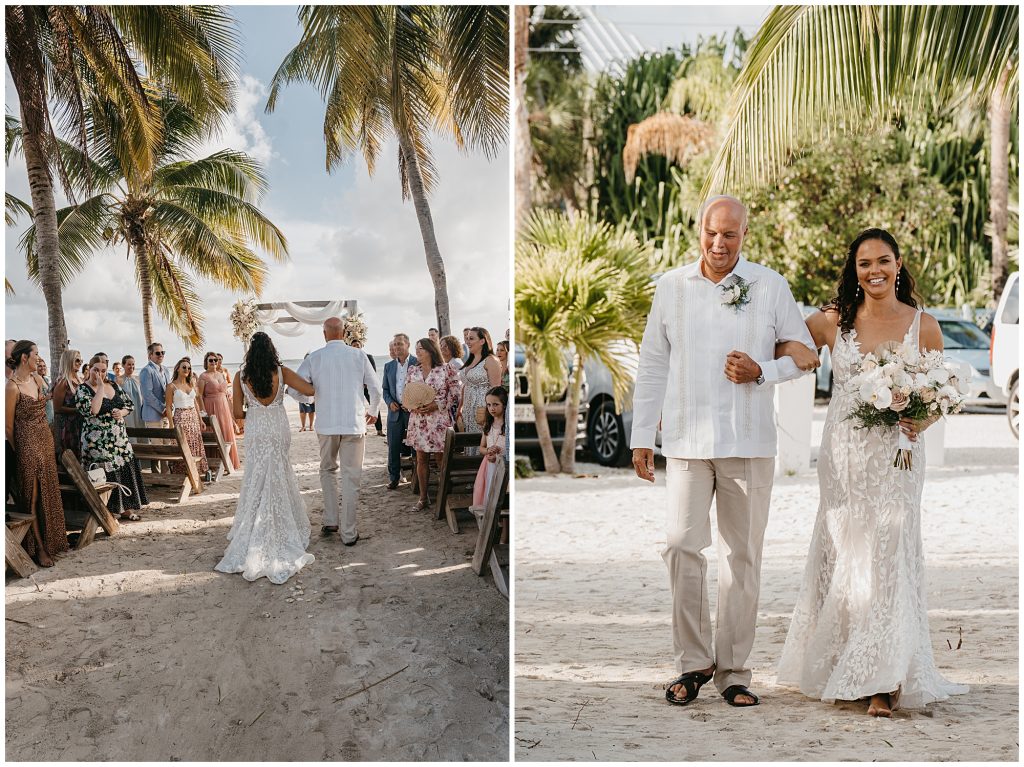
x=524, y=418
x=1004, y=349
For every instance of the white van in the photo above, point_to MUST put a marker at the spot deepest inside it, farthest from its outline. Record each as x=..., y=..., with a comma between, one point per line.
x=1004, y=353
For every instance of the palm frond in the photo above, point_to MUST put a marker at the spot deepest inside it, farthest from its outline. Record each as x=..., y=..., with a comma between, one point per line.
x=14, y=208
x=175, y=297
x=80, y=230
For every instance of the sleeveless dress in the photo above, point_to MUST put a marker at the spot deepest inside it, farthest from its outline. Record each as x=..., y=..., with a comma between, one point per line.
x=37, y=471
x=105, y=442
x=68, y=426
x=475, y=385
x=860, y=626
x=187, y=417
x=216, y=404
x=270, y=533
x=486, y=470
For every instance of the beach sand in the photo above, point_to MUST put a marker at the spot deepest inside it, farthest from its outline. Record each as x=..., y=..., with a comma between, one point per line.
x=593, y=627
x=135, y=649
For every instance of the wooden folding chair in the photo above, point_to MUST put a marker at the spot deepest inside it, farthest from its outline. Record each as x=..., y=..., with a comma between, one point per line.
x=174, y=449
x=488, y=551
x=76, y=486
x=457, y=476
x=218, y=454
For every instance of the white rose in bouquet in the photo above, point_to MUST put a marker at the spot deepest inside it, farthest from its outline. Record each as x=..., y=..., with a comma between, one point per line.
x=900, y=400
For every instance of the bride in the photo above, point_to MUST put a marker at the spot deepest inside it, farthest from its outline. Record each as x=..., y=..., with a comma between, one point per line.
x=271, y=529
x=860, y=627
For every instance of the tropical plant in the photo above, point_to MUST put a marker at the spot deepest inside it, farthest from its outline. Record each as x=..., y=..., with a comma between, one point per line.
x=582, y=286
x=815, y=70
x=405, y=71
x=63, y=59
x=185, y=216
x=14, y=207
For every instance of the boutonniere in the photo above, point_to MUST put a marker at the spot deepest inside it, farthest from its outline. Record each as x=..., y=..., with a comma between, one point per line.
x=737, y=294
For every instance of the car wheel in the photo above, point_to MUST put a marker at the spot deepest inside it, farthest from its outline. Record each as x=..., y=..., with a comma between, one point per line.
x=1013, y=409
x=606, y=436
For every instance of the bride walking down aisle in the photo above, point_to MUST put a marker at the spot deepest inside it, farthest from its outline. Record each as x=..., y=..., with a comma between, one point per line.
x=270, y=532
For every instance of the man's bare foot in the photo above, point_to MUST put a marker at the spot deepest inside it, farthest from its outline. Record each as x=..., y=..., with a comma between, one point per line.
x=880, y=705
x=678, y=689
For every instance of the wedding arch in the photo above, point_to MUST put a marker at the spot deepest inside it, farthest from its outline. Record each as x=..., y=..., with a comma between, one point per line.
x=287, y=318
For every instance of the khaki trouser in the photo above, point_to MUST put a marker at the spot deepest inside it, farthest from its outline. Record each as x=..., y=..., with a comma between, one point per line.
x=156, y=466
x=742, y=488
x=346, y=450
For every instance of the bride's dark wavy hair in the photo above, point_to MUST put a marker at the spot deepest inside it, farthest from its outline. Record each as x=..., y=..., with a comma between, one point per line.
x=260, y=363
x=849, y=297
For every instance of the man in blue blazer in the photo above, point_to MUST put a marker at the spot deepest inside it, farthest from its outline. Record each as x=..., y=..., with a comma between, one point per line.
x=398, y=417
x=153, y=380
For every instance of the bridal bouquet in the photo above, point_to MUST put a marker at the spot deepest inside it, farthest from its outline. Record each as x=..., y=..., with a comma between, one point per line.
x=900, y=382
x=244, y=320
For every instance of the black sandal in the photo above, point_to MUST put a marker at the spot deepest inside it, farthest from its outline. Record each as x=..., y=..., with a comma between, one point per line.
x=692, y=681
x=730, y=694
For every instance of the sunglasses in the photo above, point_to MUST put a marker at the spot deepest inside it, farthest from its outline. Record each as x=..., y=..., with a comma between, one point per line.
x=158, y=354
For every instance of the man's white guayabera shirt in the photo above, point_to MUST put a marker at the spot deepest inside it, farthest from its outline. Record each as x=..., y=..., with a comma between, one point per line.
x=681, y=377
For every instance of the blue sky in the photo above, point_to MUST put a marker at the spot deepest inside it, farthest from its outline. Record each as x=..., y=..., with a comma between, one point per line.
x=350, y=237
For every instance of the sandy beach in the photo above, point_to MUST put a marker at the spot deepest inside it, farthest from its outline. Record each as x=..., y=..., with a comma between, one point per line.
x=593, y=629
x=134, y=649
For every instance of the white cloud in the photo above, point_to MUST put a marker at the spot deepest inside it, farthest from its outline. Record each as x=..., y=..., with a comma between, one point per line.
x=242, y=129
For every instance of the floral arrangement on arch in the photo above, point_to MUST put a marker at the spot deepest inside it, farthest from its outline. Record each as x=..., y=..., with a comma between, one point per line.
x=244, y=320
x=355, y=329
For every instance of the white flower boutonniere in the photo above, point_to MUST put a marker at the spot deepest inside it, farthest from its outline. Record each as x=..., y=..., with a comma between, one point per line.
x=736, y=295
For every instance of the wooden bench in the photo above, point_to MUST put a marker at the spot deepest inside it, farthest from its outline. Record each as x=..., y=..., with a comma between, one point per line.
x=218, y=454
x=16, y=558
x=488, y=550
x=87, y=510
x=457, y=476
x=174, y=449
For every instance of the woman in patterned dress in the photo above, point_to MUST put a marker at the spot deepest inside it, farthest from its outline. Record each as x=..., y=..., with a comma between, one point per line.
x=29, y=435
x=428, y=424
x=181, y=398
x=103, y=406
x=67, y=421
x=213, y=394
x=481, y=374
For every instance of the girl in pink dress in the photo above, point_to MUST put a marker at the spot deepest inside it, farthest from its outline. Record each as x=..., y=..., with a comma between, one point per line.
x=429, y=424
x=213, y=391
x=492, y=444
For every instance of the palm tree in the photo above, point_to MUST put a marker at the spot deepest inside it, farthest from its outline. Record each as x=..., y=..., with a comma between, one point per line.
x=70, y=56
x=581, y=285
x=184, y=216
x=524, y=153
x=816, y=69
x=405, y=72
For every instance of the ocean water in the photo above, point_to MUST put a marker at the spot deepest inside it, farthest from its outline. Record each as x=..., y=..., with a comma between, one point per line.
x=379, y=359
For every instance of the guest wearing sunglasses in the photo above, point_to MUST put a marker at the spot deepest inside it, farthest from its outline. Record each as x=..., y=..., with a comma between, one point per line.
x=67, y=423
x=153, y=380
x=181, y=398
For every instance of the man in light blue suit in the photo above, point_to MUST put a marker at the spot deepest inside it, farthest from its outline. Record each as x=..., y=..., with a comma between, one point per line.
x=398, y=417
x=153, y=380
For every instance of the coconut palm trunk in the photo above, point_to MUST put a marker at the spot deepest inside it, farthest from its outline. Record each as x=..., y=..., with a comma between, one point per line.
x=435, y=264
x=999, y=121
x=572, y=414
x=44, y=213
x=524, y=148
x=540, y=413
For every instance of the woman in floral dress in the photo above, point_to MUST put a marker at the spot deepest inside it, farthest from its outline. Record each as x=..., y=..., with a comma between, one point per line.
x=103, y=404
x=428, y=424
x=181, y=395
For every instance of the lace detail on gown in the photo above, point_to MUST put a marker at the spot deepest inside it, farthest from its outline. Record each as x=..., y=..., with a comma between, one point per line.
x=271, y=529
x=860, y=625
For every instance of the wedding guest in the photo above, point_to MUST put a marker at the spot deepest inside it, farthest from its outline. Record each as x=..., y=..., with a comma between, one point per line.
x=103, y=405
x=434, y=335
x=8, y=348
x=117, y=370
x=180, y=399
x=31, y=442
x=492, y=444
x=481, y=374
x=84, y=371
x=395, y=375
x=429, y=423
x=307, y=408
x=230, y=393
x=357, y=344
x=465, y=343
x=129, y=382
x=501, y=352
x=106, y=361
x=153, y=380
x=48, y=392
x=67, y=422
x=451, y=352
x=213, y=395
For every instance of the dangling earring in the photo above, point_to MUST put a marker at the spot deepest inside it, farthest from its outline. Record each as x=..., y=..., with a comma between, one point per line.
x=858, y=290
x=897, y=283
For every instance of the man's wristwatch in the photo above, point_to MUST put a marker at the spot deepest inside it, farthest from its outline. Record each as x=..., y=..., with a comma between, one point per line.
x=760, y=378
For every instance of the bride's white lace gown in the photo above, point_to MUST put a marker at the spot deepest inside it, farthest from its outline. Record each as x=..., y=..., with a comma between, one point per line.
x=860, y=626
x=271, y=529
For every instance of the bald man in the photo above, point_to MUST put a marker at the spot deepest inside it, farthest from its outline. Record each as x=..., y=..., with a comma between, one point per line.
x=339, y=373
x=712, y=332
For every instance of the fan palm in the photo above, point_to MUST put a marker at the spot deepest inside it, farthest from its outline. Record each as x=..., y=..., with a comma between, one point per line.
x=404, y=72
x=582, y=285
x=69, y=56
x=186, y=216
x=814, y=70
